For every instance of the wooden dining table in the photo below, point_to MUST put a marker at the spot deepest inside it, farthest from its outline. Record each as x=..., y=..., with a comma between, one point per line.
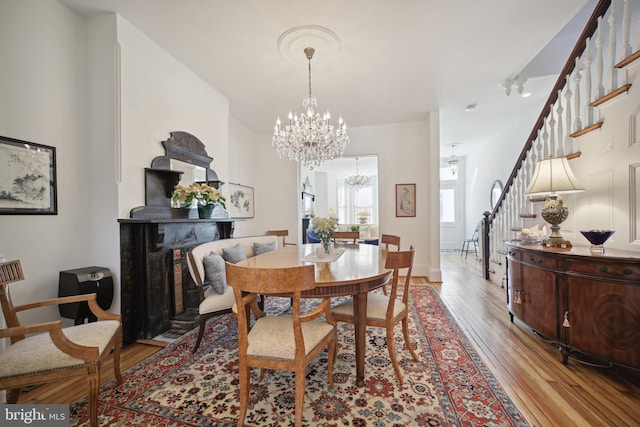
x=359, y=270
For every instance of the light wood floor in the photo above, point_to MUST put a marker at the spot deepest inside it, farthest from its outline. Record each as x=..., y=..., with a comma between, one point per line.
x=547, y=392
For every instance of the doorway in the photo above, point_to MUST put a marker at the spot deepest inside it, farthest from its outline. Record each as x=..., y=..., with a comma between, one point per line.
x=451, y=207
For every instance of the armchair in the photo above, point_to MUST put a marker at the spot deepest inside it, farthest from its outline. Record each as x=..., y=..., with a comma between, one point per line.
x=55, y=353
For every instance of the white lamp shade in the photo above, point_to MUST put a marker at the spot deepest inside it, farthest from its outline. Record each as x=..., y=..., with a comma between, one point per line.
x=553, y=175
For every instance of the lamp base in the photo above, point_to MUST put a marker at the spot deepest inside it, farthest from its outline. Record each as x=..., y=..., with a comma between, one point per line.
x=555, y=242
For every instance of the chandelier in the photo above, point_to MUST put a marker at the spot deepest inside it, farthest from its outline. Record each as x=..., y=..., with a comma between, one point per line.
x=357, y=180
x=453, y=160
x=309, y=137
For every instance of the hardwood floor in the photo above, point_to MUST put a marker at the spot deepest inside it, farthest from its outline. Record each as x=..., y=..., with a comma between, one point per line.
x=547, y=392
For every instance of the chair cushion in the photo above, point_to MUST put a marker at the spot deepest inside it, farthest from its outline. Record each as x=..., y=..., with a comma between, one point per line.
x=279, y=329
x=215, y=273
x=213, y=301
x=37, y=353
x=234, y=254
x=376, y=307
x=260, y=248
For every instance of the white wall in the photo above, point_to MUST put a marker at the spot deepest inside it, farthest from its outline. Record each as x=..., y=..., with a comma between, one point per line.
x=255, y=163
x=59, y=78
x=43, y=82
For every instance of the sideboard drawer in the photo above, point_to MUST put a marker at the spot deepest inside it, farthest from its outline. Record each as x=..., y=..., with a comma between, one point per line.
x=608, y=270
x=514, y=254
x=539, y=260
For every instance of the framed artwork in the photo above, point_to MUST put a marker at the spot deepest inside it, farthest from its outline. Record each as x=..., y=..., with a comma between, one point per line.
x=27, y=178
x=405, y=200
x=240, y=202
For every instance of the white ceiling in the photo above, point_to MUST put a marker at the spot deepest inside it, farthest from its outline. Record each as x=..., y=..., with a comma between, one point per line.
x=398, y=59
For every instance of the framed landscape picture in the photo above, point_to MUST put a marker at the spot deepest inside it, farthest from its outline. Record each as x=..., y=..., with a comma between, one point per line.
x=240, y=201
x=27, y=178
x=405, y=200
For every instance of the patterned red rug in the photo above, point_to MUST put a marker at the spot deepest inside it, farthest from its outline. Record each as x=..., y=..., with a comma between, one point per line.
x=450, y=386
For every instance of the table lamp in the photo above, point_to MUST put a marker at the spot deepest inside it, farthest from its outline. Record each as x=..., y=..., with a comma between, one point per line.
x=552, y=177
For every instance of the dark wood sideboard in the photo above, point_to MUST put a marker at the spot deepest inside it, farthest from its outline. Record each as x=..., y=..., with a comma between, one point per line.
x=156, y=287
x=586, y=304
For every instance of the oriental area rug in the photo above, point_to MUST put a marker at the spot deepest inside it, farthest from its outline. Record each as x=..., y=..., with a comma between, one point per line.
x=449, y=386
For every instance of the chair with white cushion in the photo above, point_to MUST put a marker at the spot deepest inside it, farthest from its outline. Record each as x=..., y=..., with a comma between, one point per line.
x=280, y=342
x=47, y=352
x=387, y=311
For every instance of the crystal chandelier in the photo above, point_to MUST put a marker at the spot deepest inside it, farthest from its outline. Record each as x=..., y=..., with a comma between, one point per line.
x=309, y=137
x=357, y=179
x=453, y=160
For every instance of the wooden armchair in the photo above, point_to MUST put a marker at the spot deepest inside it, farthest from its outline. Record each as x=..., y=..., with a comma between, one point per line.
x=390, y=239
x=55, y=353
x=387, y=311
x=346, y=236
x=279, y=233
x=287, y=343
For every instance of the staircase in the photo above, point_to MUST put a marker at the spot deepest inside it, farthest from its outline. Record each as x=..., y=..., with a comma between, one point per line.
x=590, y=103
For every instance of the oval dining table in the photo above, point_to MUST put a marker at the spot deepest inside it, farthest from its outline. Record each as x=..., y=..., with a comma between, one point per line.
x=359, y=270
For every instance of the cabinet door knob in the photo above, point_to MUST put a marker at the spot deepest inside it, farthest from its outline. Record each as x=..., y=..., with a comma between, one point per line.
x=603, y=269
x=627, y=271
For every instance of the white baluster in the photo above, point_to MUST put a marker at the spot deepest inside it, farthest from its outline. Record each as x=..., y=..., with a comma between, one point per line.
x=567, y=139
x=599, y=60
x=613, y=72
x=560, y=110
x=626, y=31
x=587, y=84
x=552, y=133
x=545, y=137
x=577, y=124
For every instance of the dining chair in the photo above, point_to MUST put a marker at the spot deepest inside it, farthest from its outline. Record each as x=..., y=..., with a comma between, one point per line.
x=279, y=233
x=47, y=352
x=212, y=302
x=387, y=311
x=346, y=236
x=285, y=342
x=390, y=239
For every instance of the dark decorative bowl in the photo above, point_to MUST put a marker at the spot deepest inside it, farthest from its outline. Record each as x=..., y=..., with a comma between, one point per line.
x=597, y=237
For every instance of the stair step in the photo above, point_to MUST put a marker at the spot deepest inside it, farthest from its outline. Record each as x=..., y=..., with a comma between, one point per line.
x=516, y=228
x=535, y=199
x=527, y=215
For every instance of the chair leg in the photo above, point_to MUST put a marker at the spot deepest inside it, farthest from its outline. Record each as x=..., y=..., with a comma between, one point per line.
x=392, y=353
x=244, y=394
x=116, y=359
x=332, y=358
x=407, y=342
x=203, y=325
x=93, y=382
x=13, y=395
x=300, y=389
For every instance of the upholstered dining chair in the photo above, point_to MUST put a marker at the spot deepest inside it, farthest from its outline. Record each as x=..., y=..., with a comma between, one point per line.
x=279, y=233
x=346, y=236
x=212, y=303
x=387, y=311
x=47, y=352
x=390, y=239
x=287, y=342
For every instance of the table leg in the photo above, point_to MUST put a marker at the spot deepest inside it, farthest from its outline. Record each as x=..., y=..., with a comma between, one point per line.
x=360, y=326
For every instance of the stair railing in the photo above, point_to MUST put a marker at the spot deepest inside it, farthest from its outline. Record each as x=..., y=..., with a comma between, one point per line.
x=593, y=74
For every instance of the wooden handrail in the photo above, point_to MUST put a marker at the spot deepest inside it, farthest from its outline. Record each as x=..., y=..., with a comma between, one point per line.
x=580, y=46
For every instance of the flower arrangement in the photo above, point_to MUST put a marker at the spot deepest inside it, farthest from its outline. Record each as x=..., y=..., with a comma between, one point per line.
x=203, y=194
x=324, y=228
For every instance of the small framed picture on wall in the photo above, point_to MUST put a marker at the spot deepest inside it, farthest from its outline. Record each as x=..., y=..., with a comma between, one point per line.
x=405, y=200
